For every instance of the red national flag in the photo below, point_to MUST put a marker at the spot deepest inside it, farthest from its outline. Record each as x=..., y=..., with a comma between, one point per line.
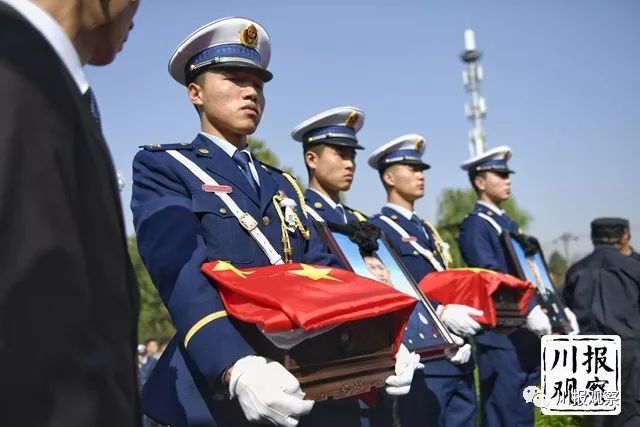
x=283, y=297
x=473, y=287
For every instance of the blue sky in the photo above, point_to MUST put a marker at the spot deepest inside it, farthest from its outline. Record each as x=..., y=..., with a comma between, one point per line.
x=562, y=80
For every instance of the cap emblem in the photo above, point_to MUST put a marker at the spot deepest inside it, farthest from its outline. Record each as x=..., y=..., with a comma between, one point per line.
x=419, y=144
x=249, y=36
x=352, y=119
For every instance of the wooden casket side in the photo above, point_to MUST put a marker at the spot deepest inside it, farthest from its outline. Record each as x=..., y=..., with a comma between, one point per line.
x=348, y=360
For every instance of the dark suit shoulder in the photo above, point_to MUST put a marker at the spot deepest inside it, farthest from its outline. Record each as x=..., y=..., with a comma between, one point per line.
x=35, y=88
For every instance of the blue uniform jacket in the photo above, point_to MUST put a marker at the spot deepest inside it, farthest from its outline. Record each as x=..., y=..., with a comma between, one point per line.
x=179, y=226
x=481, y=247
x=418, y=266
x=318, y=204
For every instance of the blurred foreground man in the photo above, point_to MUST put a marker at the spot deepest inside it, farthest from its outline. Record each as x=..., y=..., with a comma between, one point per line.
x=68, y=296
x=507, y=363
x=211, y=200
x=443, y=393
x=603, y=290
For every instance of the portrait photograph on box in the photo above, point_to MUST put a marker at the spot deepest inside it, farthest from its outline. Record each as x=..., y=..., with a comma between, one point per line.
x=383, y=265
x=526, y=261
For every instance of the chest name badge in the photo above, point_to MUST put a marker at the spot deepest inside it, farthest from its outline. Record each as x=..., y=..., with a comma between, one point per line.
x=217, y=188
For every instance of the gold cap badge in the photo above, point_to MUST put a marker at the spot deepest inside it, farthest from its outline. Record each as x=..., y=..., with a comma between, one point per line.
x=419, y=144
x=352, y=119
x=249, y=36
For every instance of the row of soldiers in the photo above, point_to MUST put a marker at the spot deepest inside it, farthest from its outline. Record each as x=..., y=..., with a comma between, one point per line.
x=68, y=360
x=211, y=200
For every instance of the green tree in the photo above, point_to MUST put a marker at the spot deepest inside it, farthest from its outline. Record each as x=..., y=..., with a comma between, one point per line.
x=558, y=267
x=453, y=206
x=154, y=319
x=260, y=151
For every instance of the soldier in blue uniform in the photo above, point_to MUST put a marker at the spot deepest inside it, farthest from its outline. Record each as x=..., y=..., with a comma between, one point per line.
x=329, y=144
x=507, y=364
x=443, y=394
x=210, y=200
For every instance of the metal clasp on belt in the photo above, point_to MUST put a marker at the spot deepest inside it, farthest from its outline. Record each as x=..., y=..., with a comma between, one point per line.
x=248, y=222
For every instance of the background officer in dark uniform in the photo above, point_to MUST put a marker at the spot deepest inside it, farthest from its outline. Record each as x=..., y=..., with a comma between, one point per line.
x=625, y=238
x=329, y=144
x=210, y=200
x=443, y=393
x=507, y=364
x=603, y=290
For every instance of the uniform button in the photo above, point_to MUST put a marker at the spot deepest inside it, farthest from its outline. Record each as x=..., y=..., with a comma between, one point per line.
x=421, y=335
x=203, y=151
x=265, y=220
x=223, y=211
x=415, y=252
x=317, y=205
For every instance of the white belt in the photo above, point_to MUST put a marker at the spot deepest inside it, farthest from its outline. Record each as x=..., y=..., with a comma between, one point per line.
x=490, y=221
x=421, y=250
x=315, y=215
x=246, y=220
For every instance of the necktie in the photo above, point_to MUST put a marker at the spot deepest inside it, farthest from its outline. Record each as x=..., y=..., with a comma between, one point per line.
x=242, y=159
x=90, y=98
x=340, y=211
x=418, y=223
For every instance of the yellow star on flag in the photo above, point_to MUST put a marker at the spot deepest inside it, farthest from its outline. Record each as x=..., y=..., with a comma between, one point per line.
x=225, y=266
x=314, y=273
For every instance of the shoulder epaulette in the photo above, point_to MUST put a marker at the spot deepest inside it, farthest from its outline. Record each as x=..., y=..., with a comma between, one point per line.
x=165, y=147
x=361, y=217
x=268, y=167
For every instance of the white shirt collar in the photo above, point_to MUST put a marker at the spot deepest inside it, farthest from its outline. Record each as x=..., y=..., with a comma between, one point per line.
x=55, y=35
x=226, y=146
x=327, y=199
x=230, y=149
x=493, y=207
x=402, y=211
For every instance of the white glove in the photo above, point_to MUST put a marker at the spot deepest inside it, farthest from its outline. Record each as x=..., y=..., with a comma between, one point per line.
x=457, y=317
x=538, y=322
x=406, y=363
x=267, y=392
x=573, y=320
x=462, y=354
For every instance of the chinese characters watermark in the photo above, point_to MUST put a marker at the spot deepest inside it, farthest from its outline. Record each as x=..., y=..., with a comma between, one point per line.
x=580, y=376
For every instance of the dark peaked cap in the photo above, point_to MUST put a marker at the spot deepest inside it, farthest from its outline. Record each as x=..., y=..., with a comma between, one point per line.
x=608, y=230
